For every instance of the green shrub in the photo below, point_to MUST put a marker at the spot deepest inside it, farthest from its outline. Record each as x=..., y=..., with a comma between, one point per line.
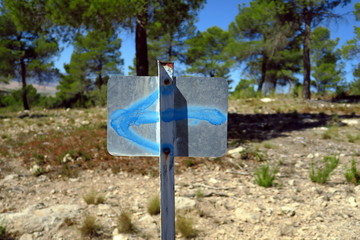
x=297, y=90
x=189, y=163
x=186, y=227
x=124, y=223
x=321, y=174
x=352, y=174
x=199, y=193
x=264, y=176
x=153, y=206
x=89, y=227
x=245, y=89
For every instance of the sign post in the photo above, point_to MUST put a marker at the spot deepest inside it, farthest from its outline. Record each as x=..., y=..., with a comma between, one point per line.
x=167, y=197
x=166, y=117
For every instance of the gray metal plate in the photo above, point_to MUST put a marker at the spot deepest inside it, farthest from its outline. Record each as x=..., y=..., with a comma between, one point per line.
x=200, y=115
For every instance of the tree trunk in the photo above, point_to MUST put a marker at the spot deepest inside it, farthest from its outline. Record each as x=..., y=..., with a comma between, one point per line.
x=23, y=80
x=306, y=60
x=142, y=62
x=99, y=81
x=263, y=73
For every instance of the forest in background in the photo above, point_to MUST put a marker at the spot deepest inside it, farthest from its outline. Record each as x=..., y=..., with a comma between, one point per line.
x=277, y=40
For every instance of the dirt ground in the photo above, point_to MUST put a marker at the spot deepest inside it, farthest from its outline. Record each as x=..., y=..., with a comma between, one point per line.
x=50, y=160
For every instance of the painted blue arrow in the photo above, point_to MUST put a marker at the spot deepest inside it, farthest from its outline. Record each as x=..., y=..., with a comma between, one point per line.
x=122, y=120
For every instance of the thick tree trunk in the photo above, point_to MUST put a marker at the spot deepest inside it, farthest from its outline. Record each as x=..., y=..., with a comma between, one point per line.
x=263, y=73
x=306, y=60
x=142, y=62
x=23, y=80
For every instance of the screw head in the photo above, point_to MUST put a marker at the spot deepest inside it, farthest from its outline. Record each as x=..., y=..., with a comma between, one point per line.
x=167, y=81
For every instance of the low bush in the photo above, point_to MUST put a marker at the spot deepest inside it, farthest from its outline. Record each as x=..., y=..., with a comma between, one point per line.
x=153, y=206
x=89, y=227
x=265, y=176
x=321, y=174
x=186, y=227
x=124, y=223
x=352, y=174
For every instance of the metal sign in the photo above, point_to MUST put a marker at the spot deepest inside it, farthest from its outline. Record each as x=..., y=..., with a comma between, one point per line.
x=199, y=115
x=166, y=116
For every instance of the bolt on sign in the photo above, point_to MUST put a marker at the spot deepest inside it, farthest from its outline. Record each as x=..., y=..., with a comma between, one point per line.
x=167, y=116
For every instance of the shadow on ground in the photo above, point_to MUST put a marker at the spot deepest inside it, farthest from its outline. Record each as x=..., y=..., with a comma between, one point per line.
x=261, y=127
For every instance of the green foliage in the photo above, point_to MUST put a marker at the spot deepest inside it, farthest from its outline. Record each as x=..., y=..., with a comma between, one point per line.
x=322, y=174
x=169, y=47
x=189, y=163
x=206, y=55
x=355, y=84
x=245, y=89
x=351, y=51
x=327, y=71
x=26, y=48
x=297, y=90
x=97, y=97
x=124, y=223
x=264, y=176
x=309, y=14
x=95, y=56
x=15, y=98
x=89, y=227
x=352, y=174
x=199, y=193
x=70, y=17
x=186, y=227
x=264, y=37
x=153, y=206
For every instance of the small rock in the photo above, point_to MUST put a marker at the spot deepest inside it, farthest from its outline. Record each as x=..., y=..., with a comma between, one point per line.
x=350, y=122
x=26, y=237
x=9, y=178
x=213, y=181
x=183, y=203
x=85, y=122
x=34, y=169
x=235, y=153
x=246, y=215
x=67, y=158
x=352, y=201
x=267, y=100
x=310, y=156
x=289, y=211
x=121, y=236
x=292, y=182
x=321, y=128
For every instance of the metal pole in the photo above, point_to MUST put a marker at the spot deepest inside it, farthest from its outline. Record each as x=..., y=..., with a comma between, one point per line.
x=167, y=202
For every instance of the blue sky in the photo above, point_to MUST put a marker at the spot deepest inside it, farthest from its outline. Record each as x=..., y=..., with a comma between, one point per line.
x=221, y=14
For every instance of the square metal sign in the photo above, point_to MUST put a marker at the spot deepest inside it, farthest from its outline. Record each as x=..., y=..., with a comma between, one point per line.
x=199, y=115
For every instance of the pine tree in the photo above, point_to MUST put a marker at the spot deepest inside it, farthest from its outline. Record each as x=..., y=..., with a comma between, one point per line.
x=26, y=48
